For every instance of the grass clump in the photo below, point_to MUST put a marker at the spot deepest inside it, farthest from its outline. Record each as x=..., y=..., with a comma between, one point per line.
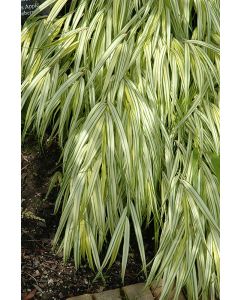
x=131, y=91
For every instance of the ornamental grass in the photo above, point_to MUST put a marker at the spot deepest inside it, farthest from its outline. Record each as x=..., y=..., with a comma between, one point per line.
x=130, y=90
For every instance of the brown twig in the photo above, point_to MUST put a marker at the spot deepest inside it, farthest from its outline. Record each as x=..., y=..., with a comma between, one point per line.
x=31, y=277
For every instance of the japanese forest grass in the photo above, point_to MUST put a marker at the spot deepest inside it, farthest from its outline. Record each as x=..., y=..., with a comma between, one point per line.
x=130, y=89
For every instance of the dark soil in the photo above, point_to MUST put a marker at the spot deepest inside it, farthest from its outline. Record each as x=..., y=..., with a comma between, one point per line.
x=44, y=275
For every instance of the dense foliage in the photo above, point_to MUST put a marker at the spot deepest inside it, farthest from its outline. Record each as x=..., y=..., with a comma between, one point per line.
x=131, y=91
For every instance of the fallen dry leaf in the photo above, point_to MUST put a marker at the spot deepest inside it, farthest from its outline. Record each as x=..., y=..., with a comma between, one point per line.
x=29, y=295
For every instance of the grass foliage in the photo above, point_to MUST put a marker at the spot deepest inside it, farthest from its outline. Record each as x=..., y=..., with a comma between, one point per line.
x=131, y=91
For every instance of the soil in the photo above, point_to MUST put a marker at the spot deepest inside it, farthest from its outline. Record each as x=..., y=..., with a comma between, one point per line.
x=44, y=275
